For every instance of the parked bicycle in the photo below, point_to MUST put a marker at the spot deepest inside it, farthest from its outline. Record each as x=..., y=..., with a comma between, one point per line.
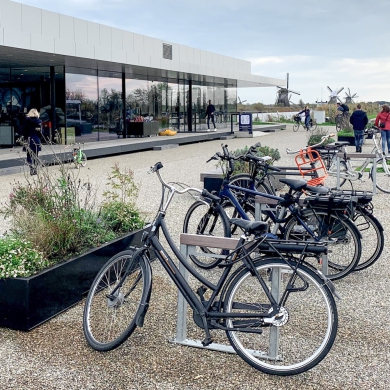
x=298, y=123
x=278, y=313
x=329, y=152
x=288, y=221
x=79, y=157
x=360, y=209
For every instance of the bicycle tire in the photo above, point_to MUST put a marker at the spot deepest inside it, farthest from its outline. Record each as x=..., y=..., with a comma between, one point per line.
x=107, y=322
x=206, y=219
x=310, y=314
x=314, y=126
x=369, y=227
x=382, y=174
x=338, y=126
x=295, y=127
x=83, y=160
x=341, y=235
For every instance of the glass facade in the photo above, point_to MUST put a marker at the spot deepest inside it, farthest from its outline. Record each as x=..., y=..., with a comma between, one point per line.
x=24, y=88
x=97, y=105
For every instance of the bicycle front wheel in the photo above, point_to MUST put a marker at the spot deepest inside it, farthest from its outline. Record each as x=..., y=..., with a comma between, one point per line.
x=341, y=236
x=382, y=174
x=304, y=332
x=210, y=220
x=373, y=239
x=295, y=127
x=110, y=312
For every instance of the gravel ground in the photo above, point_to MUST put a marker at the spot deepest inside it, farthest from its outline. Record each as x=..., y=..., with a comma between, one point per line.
x=56, y=355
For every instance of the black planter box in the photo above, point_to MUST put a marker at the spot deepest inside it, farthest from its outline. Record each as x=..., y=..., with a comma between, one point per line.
x=350, y=139
x=142, y=129
x=28, y=302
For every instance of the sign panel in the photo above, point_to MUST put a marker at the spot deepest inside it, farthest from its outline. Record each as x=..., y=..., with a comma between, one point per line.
x=245, y=122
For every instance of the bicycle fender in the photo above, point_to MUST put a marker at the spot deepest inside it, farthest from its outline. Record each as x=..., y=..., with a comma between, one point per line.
x=144, y=305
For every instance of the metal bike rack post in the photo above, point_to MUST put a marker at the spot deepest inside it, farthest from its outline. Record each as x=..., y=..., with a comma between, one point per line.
x=181, y=330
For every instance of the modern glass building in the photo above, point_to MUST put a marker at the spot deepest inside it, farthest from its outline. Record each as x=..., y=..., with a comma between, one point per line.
x=89, y=81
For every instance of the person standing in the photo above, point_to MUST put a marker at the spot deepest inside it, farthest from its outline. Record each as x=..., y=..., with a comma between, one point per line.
x=210, y=114
x=306, y=111
x=359, y=121
x=383, y=119
x=32, y=132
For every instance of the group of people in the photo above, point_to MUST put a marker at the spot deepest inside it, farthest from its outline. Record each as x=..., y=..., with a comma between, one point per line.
x=359, y=121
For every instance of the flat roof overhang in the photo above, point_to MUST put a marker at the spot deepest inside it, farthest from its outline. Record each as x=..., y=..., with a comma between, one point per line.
x=19, y=58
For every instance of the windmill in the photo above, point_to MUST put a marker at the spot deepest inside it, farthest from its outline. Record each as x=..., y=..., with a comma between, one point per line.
x=334, y=95
x=283, y=96
x=239, y=100
x=349, y=98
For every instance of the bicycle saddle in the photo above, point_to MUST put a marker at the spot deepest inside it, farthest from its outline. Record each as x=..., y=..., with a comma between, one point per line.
x=295, y=184
x=251, y=227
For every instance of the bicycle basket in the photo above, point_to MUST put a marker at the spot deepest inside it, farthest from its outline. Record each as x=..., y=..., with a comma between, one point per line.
x=312, y=159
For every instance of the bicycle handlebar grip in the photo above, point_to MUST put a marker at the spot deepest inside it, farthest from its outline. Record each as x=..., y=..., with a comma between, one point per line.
x=208, y=195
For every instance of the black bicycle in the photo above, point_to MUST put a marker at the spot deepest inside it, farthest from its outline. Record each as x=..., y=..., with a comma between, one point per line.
x=278, y=313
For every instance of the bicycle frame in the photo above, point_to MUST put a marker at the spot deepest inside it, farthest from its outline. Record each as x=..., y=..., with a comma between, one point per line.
x=227, y=193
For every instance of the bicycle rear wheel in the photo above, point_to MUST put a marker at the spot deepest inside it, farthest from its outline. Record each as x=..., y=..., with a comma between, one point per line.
x=110, y=314
x=83, y=160
x=382, y=174
x=210, y=220
x=304, y=332
x=341, y=235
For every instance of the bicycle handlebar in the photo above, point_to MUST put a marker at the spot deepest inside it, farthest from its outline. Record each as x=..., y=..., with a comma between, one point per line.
x=323, y=139
x=156, y=168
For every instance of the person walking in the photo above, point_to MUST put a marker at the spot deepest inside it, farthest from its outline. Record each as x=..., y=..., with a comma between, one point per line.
x=306, y=111
x=358, y=120
x=210, y=115
x=32, y=132
x=383, y=119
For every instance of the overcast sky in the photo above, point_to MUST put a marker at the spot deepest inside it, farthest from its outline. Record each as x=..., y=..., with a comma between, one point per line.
x=335, y=43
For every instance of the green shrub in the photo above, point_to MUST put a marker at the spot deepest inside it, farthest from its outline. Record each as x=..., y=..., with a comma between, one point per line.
x=57, y=214
x=261, y=151
x=317, y=135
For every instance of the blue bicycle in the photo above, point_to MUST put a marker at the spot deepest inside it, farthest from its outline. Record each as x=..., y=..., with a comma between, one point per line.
x=289, y=220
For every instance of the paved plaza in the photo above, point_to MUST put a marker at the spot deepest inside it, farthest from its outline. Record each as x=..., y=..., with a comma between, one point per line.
x=55, y=355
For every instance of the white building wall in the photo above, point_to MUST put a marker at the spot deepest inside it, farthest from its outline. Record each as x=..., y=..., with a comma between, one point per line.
x=26, y=27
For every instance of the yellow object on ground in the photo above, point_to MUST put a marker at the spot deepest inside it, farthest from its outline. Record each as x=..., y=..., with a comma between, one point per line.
x=167, y=132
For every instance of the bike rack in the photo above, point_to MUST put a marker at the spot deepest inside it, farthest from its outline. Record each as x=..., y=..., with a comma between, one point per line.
x=188, y=244
x=372, y=156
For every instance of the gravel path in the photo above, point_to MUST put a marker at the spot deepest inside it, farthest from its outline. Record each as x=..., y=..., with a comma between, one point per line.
x=56, y=355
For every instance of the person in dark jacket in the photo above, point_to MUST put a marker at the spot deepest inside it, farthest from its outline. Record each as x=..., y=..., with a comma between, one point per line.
x=32, y=132
x=306, y=111
x=210, y=114
x=359, y=121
